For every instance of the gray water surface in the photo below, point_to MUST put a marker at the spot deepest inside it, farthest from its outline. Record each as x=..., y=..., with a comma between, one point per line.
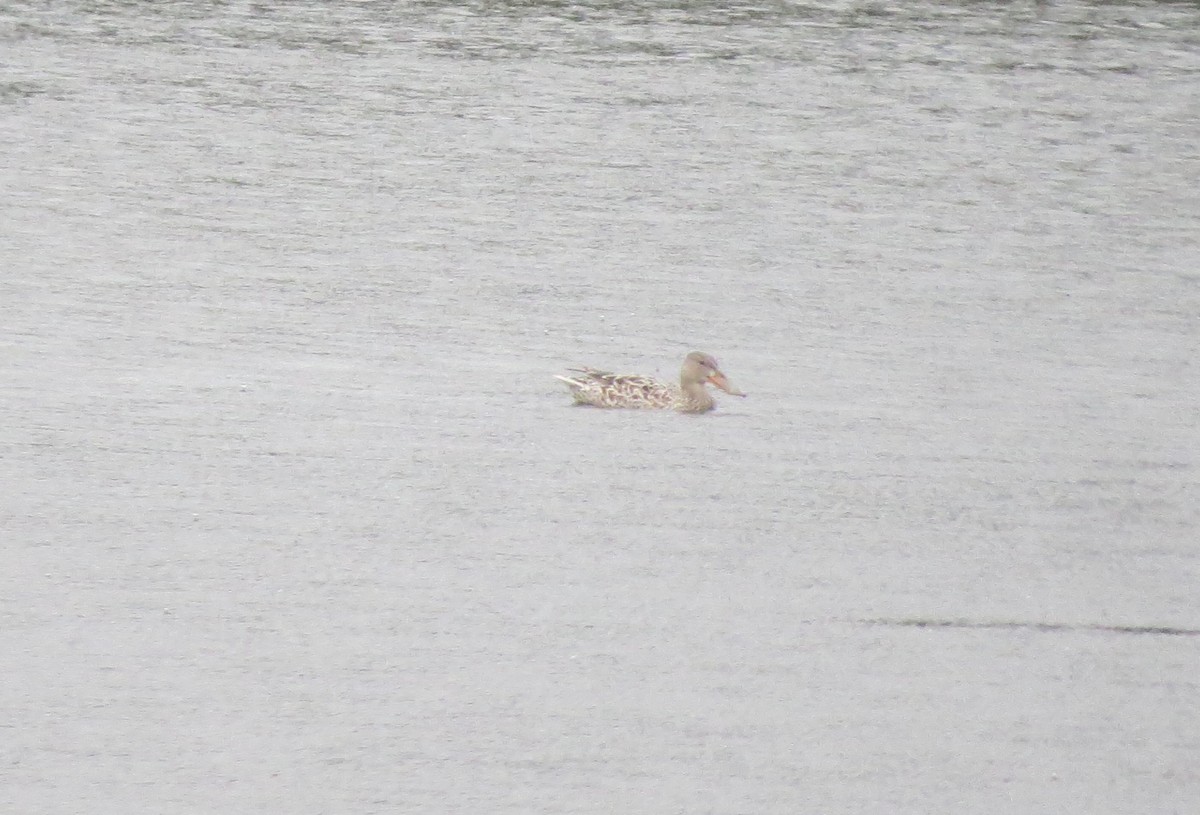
x=295, y=518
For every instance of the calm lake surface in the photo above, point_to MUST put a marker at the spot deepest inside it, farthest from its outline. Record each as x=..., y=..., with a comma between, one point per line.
x=295, y=519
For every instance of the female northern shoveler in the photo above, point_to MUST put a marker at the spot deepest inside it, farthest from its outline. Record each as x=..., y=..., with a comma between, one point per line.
x=603, y=389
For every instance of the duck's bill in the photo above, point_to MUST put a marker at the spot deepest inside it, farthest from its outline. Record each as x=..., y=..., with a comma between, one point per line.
x=721, y=381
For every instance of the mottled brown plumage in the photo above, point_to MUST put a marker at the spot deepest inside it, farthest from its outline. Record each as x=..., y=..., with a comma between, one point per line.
x=590, y=386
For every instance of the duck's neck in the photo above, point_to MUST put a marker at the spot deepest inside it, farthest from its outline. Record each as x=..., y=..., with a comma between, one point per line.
x=696, y=398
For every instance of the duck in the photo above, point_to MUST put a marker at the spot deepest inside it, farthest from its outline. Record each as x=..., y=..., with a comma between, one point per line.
x=590, y=386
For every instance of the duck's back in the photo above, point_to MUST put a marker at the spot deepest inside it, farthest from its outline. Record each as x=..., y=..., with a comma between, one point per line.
x=605, y=389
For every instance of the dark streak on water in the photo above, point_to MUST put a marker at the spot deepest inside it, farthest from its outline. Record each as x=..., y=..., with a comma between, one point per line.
x=1038, y=626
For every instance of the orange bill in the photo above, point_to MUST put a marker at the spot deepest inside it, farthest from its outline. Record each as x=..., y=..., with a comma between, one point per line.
x=721, y=381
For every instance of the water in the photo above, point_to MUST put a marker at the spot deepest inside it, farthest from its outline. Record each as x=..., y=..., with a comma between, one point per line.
x=296, y=519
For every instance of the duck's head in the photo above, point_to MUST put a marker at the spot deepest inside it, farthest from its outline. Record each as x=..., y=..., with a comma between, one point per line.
x=699, y=368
